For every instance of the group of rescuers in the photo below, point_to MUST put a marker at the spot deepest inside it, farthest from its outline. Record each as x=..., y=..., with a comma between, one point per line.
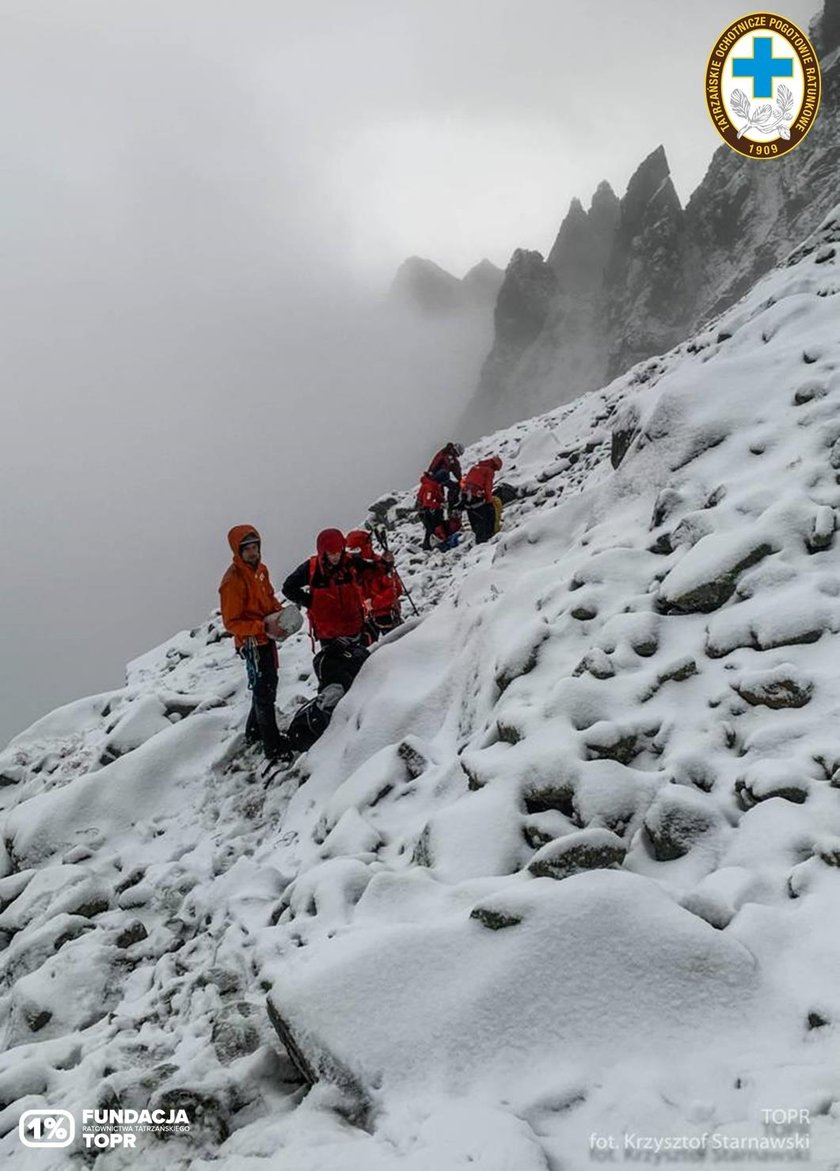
x=352, y=595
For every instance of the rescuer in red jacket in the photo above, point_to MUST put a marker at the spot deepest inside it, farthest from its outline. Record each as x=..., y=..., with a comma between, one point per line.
x=448, y=462
x=247, y=598
x=379, y=581
x=477, y=496
x=430, y=497
x=327, y=584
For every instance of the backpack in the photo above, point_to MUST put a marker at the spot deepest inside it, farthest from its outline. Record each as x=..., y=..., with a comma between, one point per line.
x=311, y=721
x=430, y=495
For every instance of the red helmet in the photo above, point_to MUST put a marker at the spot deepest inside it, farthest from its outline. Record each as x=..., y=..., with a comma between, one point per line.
x=359, y=541
x=496, y=461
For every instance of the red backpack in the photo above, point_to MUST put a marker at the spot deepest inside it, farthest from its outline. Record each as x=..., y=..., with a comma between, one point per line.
x=431, y=493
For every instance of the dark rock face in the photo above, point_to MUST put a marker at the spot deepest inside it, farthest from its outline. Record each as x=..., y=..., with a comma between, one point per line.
x=631, y=278
x=624, y=431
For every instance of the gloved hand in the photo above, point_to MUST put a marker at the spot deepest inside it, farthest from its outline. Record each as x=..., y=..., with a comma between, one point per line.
x=388, y=557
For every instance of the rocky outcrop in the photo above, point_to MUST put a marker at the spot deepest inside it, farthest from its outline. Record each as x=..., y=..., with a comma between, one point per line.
x=635, y=277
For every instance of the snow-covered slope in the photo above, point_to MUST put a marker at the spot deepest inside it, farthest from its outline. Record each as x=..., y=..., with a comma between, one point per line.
x=565, y=863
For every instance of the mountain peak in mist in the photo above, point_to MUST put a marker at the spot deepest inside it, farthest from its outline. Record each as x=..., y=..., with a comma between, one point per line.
x=423, y=285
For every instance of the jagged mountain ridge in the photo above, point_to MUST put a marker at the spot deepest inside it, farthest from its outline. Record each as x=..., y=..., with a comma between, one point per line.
x=421, y=284
x=567, y=860
x=631, y=278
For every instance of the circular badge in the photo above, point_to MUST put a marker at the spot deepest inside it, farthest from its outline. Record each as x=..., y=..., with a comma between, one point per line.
x=763, y=85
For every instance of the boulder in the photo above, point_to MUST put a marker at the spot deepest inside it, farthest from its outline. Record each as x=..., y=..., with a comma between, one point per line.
x=587, y=849
x=782, y=686
x=235, y=1032
x=707, y=575
x=677, y=820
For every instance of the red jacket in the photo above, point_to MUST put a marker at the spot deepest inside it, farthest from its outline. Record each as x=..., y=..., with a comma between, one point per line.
x=478, y=482
x=381, y=587
x=331, y=594
x=431, y=494
x=247, y=595
x=446, y=460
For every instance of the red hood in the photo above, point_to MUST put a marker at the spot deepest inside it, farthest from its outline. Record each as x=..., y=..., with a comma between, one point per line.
x=329, y=541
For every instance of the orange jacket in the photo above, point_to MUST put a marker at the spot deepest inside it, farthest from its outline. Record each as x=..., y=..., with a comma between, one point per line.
x=479, y=479
x=247, y=594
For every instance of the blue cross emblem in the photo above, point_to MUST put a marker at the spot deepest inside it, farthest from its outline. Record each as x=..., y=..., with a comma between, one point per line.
x=762, y=67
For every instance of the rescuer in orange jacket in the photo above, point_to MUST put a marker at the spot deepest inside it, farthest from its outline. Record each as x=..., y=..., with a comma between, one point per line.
x=247, y=598
x=477, y=496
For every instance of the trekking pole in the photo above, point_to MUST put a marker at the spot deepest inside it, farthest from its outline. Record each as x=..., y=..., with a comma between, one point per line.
x=382, y=538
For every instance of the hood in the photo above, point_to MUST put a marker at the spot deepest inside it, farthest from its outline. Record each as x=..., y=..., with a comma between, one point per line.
x=361, y=539
x=329, y=541
x=236, y=536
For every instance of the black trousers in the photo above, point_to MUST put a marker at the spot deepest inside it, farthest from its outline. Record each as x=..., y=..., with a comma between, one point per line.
x=482, y=521
x=262, y=718
x=431, y=517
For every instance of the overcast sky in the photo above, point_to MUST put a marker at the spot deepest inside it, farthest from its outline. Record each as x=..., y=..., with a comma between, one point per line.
x=202, y=203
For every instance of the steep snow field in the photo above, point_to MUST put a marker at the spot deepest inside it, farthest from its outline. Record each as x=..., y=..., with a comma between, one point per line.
x=565, y=863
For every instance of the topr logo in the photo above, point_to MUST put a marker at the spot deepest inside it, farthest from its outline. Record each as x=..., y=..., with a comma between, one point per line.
x=763, y=85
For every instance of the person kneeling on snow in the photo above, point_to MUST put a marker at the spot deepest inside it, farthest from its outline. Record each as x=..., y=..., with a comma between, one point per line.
x=247, y=601
x=483, y=508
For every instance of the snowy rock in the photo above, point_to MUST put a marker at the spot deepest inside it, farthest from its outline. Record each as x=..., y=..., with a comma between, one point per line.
x=597, y=663
x=352, y=835
x=235, y=1032
x=822, y=530
x=135, y=932
x=144, y=719
x=546, y=795
x=707, y=575
x=719, y=896
x=622, y=743
x=588, y=849
x=355, y=1009
x=611, y=795
x=678, y=819
x=787, y=617
x=493, y=919
x=782, y=686
x=625, y=430
x=808, y=392
x=771, y=778
x=539, y=829
x=676, y=672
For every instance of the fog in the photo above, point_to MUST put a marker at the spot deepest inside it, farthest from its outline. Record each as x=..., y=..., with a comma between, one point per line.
x=203, y=206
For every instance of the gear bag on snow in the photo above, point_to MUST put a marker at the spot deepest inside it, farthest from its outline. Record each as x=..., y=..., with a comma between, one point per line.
x=311, y=721
x=340, y=661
